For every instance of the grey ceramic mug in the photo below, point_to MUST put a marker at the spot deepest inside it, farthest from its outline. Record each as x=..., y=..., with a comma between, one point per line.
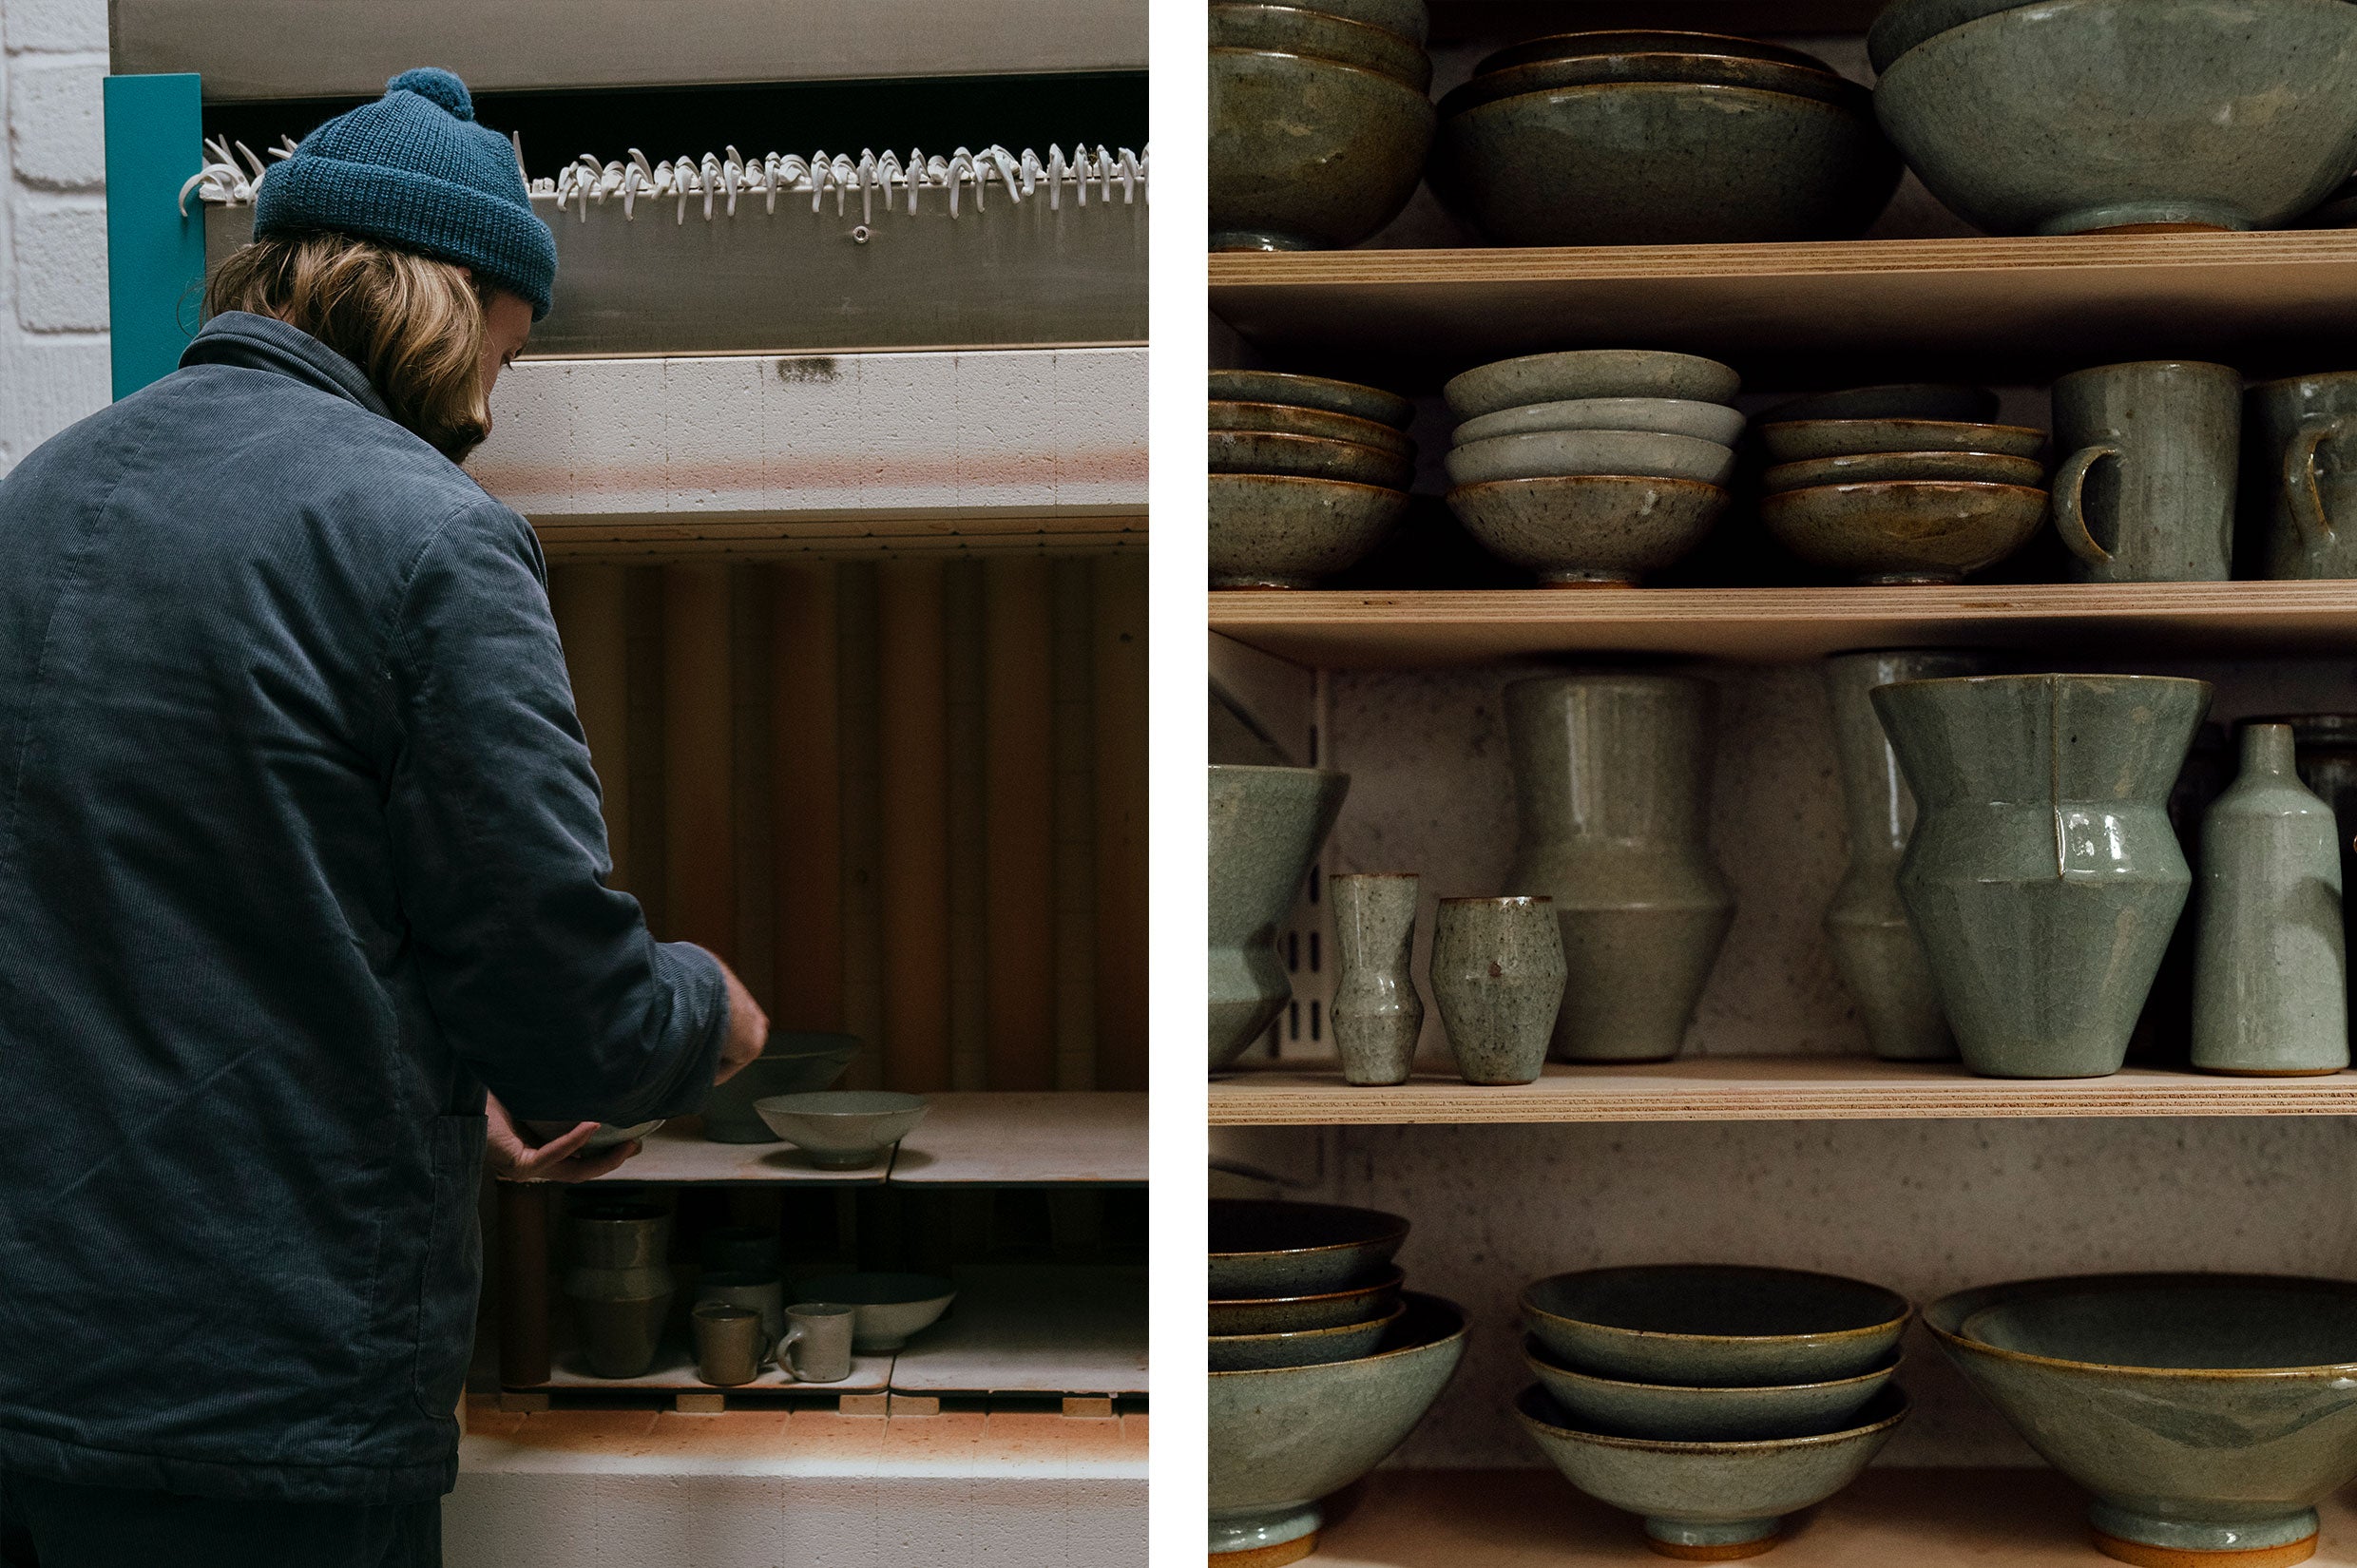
x=730, y=1346
x=2301, y=466
x=2145, y=490
x=817, y=1345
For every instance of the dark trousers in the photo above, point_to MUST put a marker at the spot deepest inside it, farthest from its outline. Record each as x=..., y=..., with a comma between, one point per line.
x=55, y=1524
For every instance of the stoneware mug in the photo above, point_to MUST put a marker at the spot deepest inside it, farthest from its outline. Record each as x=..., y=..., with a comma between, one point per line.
x=2146, y=491
x=2300, y=472
x=817, y=1347
x=730, y=1346
x=1498, y=976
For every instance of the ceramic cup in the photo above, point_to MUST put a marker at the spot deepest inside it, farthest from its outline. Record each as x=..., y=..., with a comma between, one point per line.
x=730, y=1343
x=2146, y=493
x=2301, y=475
x=1376, y=1013
x=760, y=1291
x=1498, y=975
x=816, y=1347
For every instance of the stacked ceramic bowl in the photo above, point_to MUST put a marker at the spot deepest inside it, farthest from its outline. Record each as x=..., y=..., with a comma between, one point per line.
x=1905, y=484
x=1596, y=466
x=1660, y=138
x=1319, y=122
x=1320, y=1366
x=1306, y=475
x=1711, y=1400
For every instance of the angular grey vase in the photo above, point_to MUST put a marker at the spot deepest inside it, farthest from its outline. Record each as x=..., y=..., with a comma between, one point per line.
x=1875, y=947
x=2044, y=875
x=2270, y=992
x=1376, y=1013
x=1611, y=775
x=1498, y=978
x=1266, y=827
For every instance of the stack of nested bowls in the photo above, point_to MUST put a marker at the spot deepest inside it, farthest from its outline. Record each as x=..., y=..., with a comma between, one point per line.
x=1306, y=475
x=1596, y=466
x=1648, y=138
x=1319, y=122
x=1711, y=1400
x=1908, y=483
x=1320, y=1366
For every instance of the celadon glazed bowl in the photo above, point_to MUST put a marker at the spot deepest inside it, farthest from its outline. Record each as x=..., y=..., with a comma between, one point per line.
x=1687, y=1413
x=1263, y=1248
x=1800, y=440
x=1715, y=1325
x=1312, y=391
x=1292, y=29
x=843, y=1129
x=1308, y=457
x=1311, y=1309
x=1282, y=1438
x=1301, y=1347
x=1573, y=45
x=1308, y=154
x=1589, y=530
x=2208, y=1413
x=1667, y=415
x=886, y=1308
x=1541, y=454
x=1266, y=827
x=1301, y=419
x=1905, y=530
x=1406, y=17
x=1585, y=374
x=792, y=1064
x=2074, y=115
x=1710, y=1500
x=1879, y=468
x=1727, y=70
x=1288, y=531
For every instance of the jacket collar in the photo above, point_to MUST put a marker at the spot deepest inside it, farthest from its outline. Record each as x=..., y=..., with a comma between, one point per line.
x=266, y=343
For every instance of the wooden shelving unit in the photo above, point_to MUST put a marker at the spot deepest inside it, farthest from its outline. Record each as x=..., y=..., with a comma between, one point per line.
x=1044, y=1331
x=999, y=1140
x=656, y=540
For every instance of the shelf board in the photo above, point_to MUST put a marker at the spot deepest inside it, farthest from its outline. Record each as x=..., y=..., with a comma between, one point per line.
x=2014, y=310
x=1413, y=628
x=674, y=1372
x=1068, y=1330
x=1925, y=1519
x=1760, y=1088
x=1026, y=1140
x=677, y=1153
x=649, y=540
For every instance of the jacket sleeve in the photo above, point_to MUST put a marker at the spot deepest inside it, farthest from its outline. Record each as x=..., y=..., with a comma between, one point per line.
x=544, y=980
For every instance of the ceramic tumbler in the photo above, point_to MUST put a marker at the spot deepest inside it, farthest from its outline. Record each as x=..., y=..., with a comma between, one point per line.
x=1376, y=1013
x=817, y=1342
x=1267, y=825
x=2300, y=474
x=2145, y=490
x=619, y=1284
x=731, y=1343
x=2270, y=986
x=1498, y=976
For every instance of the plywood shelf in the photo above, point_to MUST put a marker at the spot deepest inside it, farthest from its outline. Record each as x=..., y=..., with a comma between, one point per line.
x=1409, y=629
x=674, y=1372
x=658, y=538
x=677, y=1154
x=1734, y=1088
x=1068, y=1330
x=1026, y=1140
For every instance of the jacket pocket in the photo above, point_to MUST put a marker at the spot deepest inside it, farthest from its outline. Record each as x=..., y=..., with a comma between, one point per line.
x=451, y=1277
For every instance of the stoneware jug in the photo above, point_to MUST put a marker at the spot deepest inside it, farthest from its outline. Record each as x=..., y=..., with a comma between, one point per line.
x=2044, y=875
x=2270, y=993
x=1611, y=776
x=1498, y=976
x=1376, y=1013
x=1874, y=943
x=1267, y=825
x=2300, y=474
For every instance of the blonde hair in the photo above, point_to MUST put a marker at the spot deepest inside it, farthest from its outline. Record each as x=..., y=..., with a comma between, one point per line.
x=414, y=325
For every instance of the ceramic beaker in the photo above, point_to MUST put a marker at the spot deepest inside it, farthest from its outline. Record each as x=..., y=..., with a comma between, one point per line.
x=1376, y=1013
x=1498, y=976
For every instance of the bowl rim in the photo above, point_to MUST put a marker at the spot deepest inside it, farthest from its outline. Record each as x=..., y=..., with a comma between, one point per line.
x=1591, y=356
x=1212, y=406
x=1932, y=424
x=1399, y=1275
x=1893, y=1395
x=1912, y=486
x=1383, y=1324
x=1271, y=768
x=1397, y=1226
x=1296, y=435
x=1656, y=1336
x=1850, y=115
x=1371, y=75
x=1584, y=478
x=1534, y=1355
x=1774, y=468
x=2078, y=1283
x=1306, y=479
x=771, y=1103
x=810, y=1292
x=1482, y=67
x=1534, y=435
x=1294, y=6
x=2025, y=678
x=1861, y=95
x=1464, y=1324
x=1312, y=380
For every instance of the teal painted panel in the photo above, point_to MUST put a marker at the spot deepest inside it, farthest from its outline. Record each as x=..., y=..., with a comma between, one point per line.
x=155, y=258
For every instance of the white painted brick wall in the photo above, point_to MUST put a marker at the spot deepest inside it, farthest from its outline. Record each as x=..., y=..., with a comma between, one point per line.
x=53, y=365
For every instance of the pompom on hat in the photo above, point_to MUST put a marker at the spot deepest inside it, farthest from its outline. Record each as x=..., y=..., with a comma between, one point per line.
x=414, y=169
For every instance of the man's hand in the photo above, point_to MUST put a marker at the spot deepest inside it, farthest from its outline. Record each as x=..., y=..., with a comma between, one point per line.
x=748, y=1027
x=512, y=1157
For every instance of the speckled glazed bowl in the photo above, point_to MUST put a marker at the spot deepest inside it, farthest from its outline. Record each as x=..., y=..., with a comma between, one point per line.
x=1300, y=419
x=1798, y=440
x=1586, y=373
x=1308, y=154
x=1572, y=46
x=1292, y=30
x=1589, y=529
x=1905, y=530
x=843, y=1129
x=1315, y=1310
x=887, y=1309
x=1903, y=24
x=1301, y=1347
x=1308, y=457
x=1879, y=468
x=1541, y=454
x=1715, y=1325
x=1407, y=18
x=2208, y=1413
x=1685, y=1412
x=1712, y=1501
x=1284, y=1438
x=1726, y=71
x=1284, y=531
x=1265, y=826
x=2074, y=115
x=1312, y=391
x=1667, y=415
x=1263, y=1248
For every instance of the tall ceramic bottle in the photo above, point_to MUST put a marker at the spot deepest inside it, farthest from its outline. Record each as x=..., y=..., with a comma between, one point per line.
x=1874, y=943
x=1611, y=777
x=1267, y=825
x=2268, y=992
x=2044, y=875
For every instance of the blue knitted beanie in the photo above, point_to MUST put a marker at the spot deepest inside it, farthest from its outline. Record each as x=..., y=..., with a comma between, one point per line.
x=414, y=169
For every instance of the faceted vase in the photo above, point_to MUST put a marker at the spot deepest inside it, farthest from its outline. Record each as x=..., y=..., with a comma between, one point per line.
x=1376, y=1013
x=1267, y=825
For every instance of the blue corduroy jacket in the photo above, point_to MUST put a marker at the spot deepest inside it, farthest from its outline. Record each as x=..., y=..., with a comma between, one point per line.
x=299, y=848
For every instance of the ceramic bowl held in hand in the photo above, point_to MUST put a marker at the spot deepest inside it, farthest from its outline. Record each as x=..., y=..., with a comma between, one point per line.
x=1308, y=457
x=2209, y=1413
x=1715, y=1325
x=1546, y=455
x=1905, y=531
x=1800, y=440
x=607, y=1135
x=888, y=1308
x=1710, y=1500
x=1685, y=1412
x=1588, y=372
x=792, y=1064
x=1667, y=415
x=1285, y=531
x=1316, y=1310
x=1588, y=530
x=1308, y=154
x=1301, y=1347
x=1265, y=1248
x=1312, y=391
x=1290, y=29
x=843, y=1129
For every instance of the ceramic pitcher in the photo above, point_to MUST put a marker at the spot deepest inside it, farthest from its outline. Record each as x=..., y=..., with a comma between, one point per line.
x=1874, y=943
x=1376, y=1013
x=2044, y=875
x=1612, y=774
x=1267, y=825
x=2300, y=474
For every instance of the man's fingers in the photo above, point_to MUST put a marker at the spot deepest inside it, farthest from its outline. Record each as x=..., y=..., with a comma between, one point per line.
x=590, y=1167
x=565, y=1145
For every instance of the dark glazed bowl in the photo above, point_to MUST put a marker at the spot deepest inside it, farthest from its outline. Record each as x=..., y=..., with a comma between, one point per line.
x=1719, y=1325
x=1263, y=1248
x=1298, y=419
x=1308, y=154
x=792, y=1064
x=1798, y=440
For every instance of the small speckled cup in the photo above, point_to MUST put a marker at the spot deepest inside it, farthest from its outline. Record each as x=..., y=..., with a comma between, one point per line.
x=1498, y=976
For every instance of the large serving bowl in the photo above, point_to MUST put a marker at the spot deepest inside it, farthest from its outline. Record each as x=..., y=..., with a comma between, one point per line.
x=1286, y=531
x=843, y=1129
x=1285, y=1437
x=792, y=1064
x=1714, y=1324
x=1621, y=41
x=1290, y=29
x=1724, y=70
x=886, y=1308
x=1664, y=164
x=1905, y=530
x=1578, y=373
x=1709, y=1500
x=1308, y=154
x=1688, y=1412
x=1903, y=24
x=1308, y=457
x=1312, y=391
x=2208, y=1413
x=1263, y=1248
x=1301, y=419
x=1589, y=529
x=1266, y=824
x=1666, y=415
x=1541, y=454
x=2072, y=115
x=1309, y=1309
x=1301, y=1347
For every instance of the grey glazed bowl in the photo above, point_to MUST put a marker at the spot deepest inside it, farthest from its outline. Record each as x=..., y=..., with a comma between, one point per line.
x=2074, y=115
x=1716, y=1501
x=1301, y=1347
x=1686, y=1412
x=1798, y=440
x=843, y=1129
x=1283, y=532
x=1295, y=419
x=1290, y=29
x=1312, y=391
x=1667, y=416
x=1572, y=46
x=1263, y=1248
x=1316, y=1310
x=1878, y=467
x=1894, y=400
x=1903, y=24
x=2206, y=1412
x=1542, y=454
x=1662, y=163
x=1725, y=70
x=606, y=1136
x=1283, y=1438
x=1589, y=528
x=1266, y=824
x=1308, y=154
x=1905, y=531
x=886, y=1309
x=1588, y=372
x=1719, y=1325
x=1407, y=18
x=792, y=1064
x=1308, y=457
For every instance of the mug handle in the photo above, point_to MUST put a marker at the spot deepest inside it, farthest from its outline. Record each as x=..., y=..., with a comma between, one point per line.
x=2300, y=487
x=786, y=1342
x=2070, y=483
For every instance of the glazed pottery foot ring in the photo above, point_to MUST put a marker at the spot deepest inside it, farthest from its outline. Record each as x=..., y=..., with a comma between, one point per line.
x=1265, y=1540
x=1723, y=1542
x=2151, y=1543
